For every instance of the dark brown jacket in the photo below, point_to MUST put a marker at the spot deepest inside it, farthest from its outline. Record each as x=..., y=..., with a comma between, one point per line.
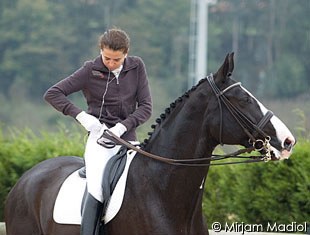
x=127, y=100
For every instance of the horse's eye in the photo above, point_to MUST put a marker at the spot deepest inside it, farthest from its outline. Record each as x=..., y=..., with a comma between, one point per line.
x=248, y=99
x=245, y=100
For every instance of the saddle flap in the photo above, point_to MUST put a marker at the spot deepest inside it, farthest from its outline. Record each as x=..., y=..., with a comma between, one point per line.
x=67, y=208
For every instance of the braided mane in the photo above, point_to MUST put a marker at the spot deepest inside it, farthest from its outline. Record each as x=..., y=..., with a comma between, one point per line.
x=168, y=110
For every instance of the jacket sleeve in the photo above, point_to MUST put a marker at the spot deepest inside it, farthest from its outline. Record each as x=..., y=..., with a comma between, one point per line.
x=144, y=100
x=57, y=94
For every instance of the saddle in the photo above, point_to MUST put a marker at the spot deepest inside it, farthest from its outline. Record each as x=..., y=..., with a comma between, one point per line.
x=113, y=171
x=67, y=208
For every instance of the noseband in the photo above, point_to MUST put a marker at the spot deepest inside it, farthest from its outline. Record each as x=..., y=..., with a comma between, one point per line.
x=248, y=127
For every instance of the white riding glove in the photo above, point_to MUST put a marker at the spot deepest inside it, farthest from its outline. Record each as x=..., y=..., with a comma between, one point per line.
x=89, y=122
x=119, y=129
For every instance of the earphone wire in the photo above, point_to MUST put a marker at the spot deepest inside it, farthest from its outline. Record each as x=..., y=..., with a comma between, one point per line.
x=104, y=94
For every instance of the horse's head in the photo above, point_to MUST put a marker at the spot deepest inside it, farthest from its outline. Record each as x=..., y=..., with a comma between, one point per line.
x=242, y=119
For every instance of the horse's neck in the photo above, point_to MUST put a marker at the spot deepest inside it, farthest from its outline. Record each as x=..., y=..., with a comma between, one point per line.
x=181, y=135
x=168, y=191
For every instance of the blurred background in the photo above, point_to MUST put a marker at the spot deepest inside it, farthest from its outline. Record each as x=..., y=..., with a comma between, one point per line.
x=43, y=41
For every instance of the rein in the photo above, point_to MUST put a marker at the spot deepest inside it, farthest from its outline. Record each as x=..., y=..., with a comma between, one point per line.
x=195, y=162
x=242, y=120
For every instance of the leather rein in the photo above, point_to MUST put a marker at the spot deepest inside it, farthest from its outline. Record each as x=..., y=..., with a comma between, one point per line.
x=242, y=120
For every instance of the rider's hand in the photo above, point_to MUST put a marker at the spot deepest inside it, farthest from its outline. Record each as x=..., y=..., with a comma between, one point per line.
x=89, y=122
x=119, y=129
x=107, y=142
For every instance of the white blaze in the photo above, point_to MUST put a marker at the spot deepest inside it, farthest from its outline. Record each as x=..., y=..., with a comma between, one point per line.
x=282, y=132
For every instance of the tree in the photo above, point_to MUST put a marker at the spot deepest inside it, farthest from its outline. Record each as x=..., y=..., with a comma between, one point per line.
x=32, y=40
x=43, y=41
x=270, y=37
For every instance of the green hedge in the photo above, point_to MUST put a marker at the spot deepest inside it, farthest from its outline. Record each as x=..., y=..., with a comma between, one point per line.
x=261, y=193
x=20, y=150
x=250, y=193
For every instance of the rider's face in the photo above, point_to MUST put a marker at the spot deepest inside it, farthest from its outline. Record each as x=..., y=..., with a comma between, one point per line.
x=112, y=59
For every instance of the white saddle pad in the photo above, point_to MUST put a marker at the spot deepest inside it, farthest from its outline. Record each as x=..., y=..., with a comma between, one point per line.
x=67, y=208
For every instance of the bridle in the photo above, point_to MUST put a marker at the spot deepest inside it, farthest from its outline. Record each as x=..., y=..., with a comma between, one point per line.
x=248, y=127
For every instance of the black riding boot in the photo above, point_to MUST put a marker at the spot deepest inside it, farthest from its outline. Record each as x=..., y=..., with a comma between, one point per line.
x=91, y=216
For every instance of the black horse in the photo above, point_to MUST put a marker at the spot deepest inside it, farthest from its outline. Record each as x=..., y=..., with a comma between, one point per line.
x=161, y=197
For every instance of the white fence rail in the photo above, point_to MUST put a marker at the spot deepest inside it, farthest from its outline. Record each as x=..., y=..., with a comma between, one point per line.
x=2, y=229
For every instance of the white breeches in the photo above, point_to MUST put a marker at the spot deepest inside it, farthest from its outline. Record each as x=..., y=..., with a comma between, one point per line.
x=96, y=158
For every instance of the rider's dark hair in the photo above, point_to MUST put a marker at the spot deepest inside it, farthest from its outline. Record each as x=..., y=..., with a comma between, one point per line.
x=115, y=39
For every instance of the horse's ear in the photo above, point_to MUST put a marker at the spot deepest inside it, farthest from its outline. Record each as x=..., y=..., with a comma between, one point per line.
x=227, y=68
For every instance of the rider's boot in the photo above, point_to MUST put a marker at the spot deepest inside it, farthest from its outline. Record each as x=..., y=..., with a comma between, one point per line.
x=91, y=216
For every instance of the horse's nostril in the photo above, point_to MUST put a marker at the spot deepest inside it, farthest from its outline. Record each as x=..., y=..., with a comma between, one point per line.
x=288, y=144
